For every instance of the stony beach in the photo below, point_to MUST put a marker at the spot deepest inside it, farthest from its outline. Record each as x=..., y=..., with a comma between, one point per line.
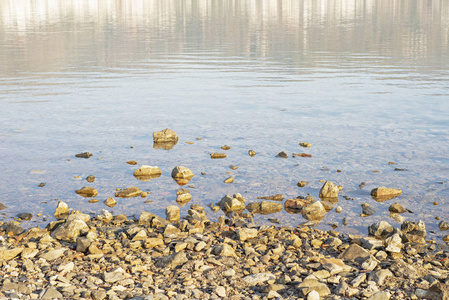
x=106, y=256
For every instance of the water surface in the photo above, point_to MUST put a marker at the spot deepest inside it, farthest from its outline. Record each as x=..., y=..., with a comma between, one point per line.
x=365, y=82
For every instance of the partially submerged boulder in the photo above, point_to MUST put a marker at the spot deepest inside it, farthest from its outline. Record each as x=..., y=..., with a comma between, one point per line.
x=264, y=207
x=165, y=139
x=314, y=212
x=146, y=173
x=181, y=175
x=329, y=190
x=382, y=194
x=129, y=192
x=235, y=203
x=87, y=192
x=62, y=210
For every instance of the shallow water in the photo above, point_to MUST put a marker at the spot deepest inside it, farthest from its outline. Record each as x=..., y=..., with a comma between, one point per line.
x=365, y=82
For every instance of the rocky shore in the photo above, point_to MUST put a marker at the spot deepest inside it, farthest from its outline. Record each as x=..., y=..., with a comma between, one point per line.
x=117, y=257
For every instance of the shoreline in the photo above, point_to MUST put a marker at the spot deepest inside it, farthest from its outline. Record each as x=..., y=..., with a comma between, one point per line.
x=113, y=257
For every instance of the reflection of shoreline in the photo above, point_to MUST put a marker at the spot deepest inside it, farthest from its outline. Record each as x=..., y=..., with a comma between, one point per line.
x=105, y=32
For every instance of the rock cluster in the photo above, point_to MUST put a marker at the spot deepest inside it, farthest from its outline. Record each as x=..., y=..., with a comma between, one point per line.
x=117, y=257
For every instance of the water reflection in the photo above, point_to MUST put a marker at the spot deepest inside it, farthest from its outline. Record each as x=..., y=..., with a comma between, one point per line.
x=54, y=35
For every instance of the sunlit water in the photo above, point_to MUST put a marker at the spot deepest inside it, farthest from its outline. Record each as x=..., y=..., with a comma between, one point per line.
x=365, y=82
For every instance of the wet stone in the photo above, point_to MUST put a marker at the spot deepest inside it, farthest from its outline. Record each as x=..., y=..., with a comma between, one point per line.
x=225, y=147
x=314, y=211
x=251, y=153
x=381, y=194
x=396, y=208
x=380, y=229
x=229, y=180
x=110, y=202
x=302, y=183
x=129, y=192
x=305, y=145
x=367, y=210
x=217, y=155
x=84, y=155
x=90, y=178
x=277, y=197
x=24, y=216
x=42, y=184
x=87, y=192
x=282, y=155
x=414, y=232
x=329, y=190
x=443, y=226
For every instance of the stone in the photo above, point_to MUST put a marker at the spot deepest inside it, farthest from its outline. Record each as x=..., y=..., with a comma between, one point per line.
x=69, y=230
x=110, y=202
x=114, y=276
x=129, y=192
x=414, y=232
x=172, y=213
x=145, y=218
x=379, y=276
x=28, y=253
x=443, y=226
x=367, y=210
x=62, y=210
x=7, y=254
x=87, y=192
x=153, y=242
x=314, y=212
x=369, y=264
x=282, y=155
x=105, y=216
x=277, y=197
x=181, y=175
x=310, y=284
x=355, y=253
x=51, y=293
x=380, y=229
x=371, y=243
x=225, y=147
x=82, y=244
x=83, y=155
x=251, y=153
x=259, y=278
x=217, y=155
x=264, y=207
x=53, y=254
x=224, y=250
x=302, y=183
x=305, y=145
x=334, y=266
x=172, y=261
x=146, y=173
x=394, y=243
x=396, y=208
x=296, y=205
x=382, y=295
x=228, y=203
x=183, y=198
x=244, y=234
x=99, y=295
x=165, y=136
x=382, y=194
x=220, y=291
x=90, y=178
x=313, y=295
x=329, y=190
x=229, y=180
x=24, y=216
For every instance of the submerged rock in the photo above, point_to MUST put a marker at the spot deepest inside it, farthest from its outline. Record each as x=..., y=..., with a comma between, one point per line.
x=314, y=212
x=84, y=155
x=24, y=216
x=165, y=136
x=146, y=173
x=367, y=210
x=90, y=178
x=329, y=190
x=396, y=208
x=296, y=205
x=217, y=155
x=277, y=197
x=235, y=203
x=62, y=210
x=87, y=192
x=282, y=155
x=129, y=192
x=264, y=207
x=251, y=153
x=110, y=202
x=380, y=229
x=382, y=194
x=181, y=175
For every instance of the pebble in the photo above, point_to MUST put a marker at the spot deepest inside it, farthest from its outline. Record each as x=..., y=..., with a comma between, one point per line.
x=251, y=153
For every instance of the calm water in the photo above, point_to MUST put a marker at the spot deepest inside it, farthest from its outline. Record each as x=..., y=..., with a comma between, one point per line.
x=366, y=82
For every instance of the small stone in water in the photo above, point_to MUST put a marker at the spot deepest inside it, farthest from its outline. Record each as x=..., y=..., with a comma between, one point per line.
x=305, y=145
x=84, y=155
x=302, y=183
x=435, y=203
x=225, y=147
x=302, y=155
x=93, y=200
x=282, y=155
x=24, y=216
x=229, y=180
x=338, y=209
x=132, y=162
x=90, y=178
x=232, y=167
x=367, y=210
x=110, y=202
x=251, y=153
x=217, y=155
x=42, y=184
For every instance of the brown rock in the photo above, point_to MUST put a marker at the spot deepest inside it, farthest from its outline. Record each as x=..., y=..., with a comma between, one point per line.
x=146, y=173
x=165, y=136
x=382, y=194
x=217, y=155
x=277, y=197
x=87, y=192
x=129, y=192
x=181, y=175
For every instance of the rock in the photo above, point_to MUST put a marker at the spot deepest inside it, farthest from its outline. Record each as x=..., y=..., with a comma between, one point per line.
x=264, y=207
x=367, y=210
x=338, y=209
x=443, y=226
x=396, y=208
x=329, y=190
x=382, y=295
x=217, y=155
x=414, y=232
x=251, y=153
x=172, y=261
x=382, y=194
x=380, y=229
x=110, y=202
x=51, y=293
x=313, y=295
x=129, y=192
x=114, y=276
x=28, y=253
x=379, y=276
x=394, y=243
x=181, y=175
x=305, y=145
x=84, y=155
x=132, y=162
x=62, y=210
x=228, y=203
x=172, y=213
x=282, y=155
x=277, y=197
x=53, y=254
x=7, y=254
x=295, y=206
x=259, y=278
x=90, y=178
x=229, y=180
x=165, y=139
x=301, y=155
x=244, y=234
x=146, y=173
x=334, y=265
x=314, y=212
x=145, y=218
x=3, y=206
x=153, y=242
x=310, y=284
x=302, y=183
x=183, y=198
x=225, y=147
x=69, y=230
x=24, y=216
x=99, y=295
x=355, y=253
x=87, y=192
x=105, y=216
x=224, y=250
x=82, y=244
